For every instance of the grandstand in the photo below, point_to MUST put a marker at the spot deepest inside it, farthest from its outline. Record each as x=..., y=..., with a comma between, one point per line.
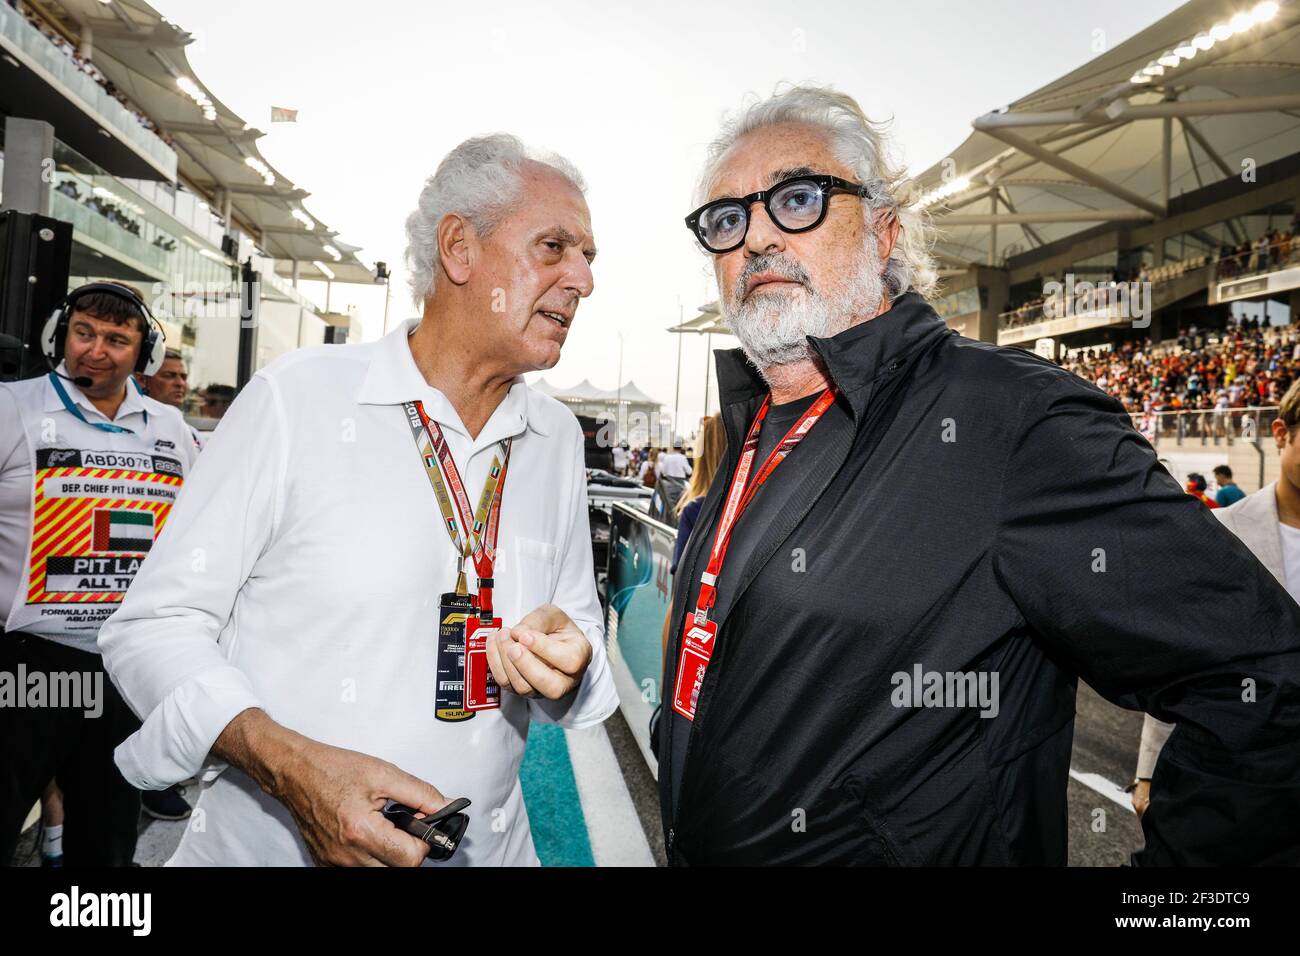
x=108, y=128
x=1135, y=220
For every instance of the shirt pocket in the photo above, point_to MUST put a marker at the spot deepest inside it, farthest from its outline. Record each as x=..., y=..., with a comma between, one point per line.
x=537, y=569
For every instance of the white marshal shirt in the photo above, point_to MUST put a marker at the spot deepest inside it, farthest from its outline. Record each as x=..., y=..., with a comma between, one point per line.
x=139, y=470
x=301, y=573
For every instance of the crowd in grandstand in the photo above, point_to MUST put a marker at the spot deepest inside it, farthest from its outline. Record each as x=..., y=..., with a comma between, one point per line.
x=1095, y=294
x=1273, y=249
x=105, y=207
x=1246, y=365
x=89, y=68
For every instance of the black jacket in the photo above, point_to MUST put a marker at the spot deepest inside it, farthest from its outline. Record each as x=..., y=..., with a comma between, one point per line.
x=971, y=508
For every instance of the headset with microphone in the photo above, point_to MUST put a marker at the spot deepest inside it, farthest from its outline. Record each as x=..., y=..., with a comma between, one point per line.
x=153, y=349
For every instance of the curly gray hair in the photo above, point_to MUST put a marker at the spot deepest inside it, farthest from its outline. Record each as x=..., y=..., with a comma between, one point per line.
x=866, y=148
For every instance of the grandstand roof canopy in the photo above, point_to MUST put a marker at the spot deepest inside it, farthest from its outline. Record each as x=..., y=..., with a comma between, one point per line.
x=1089, y=147
x=584, y=391
x=707, y=321
x=143, y=54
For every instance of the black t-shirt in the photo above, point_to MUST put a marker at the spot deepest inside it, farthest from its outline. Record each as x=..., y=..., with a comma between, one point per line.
x=780, y=419
x=744, y=538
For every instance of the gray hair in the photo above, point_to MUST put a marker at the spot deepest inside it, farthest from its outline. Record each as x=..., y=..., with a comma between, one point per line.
x=863, y=146
x=480, y=179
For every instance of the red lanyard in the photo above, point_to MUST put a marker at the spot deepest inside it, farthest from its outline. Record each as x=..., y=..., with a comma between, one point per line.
x=481, y=530
x=742, y=491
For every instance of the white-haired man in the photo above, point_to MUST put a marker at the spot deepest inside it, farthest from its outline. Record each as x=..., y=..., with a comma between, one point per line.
x=309, y=627
x=916, y=546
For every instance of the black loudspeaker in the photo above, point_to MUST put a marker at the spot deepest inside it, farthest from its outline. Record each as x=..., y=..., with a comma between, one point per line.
x=34, y=255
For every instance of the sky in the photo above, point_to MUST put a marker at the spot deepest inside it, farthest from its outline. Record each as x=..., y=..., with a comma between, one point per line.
x=631, y=94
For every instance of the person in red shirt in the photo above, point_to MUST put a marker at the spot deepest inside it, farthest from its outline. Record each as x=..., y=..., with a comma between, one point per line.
x=1196, y=488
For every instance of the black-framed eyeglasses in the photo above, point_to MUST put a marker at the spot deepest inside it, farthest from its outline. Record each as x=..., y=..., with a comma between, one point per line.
x=795, y=205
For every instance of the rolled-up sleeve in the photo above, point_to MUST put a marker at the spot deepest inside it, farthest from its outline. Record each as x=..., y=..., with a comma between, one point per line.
x=1139, y=590
x=1154, y=734
x=162, y=648
x=575, y=594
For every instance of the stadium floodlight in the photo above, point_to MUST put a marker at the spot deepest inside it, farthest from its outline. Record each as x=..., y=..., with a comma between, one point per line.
x=1186, y=49
x=325, y=270
x=1241, y=22
x=188, y=87
x=950, y=188
x=333, y=253
x=1202, y=41
x=1169, y=59
x=1139, y=77
x=1153, y=69
x=302, y=217
x=1263, y=12
x=1221, y=31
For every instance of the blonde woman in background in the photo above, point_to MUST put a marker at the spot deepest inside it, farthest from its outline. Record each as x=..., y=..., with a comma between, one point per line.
x=710, y=448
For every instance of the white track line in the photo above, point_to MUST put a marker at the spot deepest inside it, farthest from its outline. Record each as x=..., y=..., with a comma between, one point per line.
x=612, y=824
x=1095, y=781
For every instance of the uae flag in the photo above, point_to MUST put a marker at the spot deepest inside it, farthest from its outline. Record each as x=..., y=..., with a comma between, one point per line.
x=122, y=530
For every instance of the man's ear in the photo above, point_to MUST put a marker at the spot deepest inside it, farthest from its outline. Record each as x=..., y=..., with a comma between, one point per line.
x=1280, y=433
x=457, y=247
x=886, y=226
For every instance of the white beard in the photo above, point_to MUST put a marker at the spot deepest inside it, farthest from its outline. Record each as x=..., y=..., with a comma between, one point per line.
x=773, y=326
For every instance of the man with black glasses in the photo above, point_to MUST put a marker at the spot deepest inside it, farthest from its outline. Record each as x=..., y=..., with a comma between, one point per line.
x=865, y=667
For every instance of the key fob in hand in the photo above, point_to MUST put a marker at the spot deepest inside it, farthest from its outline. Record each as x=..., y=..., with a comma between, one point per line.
x=442, y=830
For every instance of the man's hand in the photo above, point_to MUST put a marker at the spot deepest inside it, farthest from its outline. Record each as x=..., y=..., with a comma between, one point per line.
x=1141, y=797
x=544, y=655
x=334, y=795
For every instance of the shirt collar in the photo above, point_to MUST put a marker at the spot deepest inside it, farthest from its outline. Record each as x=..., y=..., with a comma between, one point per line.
x=853, y=358
x=393, y=378
x=133, y=404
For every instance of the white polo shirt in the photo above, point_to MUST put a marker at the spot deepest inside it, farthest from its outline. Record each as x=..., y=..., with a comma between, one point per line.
x=80, y=507
x=673, y=465
x=301, y=573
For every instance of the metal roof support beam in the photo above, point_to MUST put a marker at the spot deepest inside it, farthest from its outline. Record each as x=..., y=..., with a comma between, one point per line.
x=214, y=131
x=965, y=199
x=953, y=261
x=1049, y=158
x=1192, y=133
x=1202, y=142
x=1024, y=226
x=1122, y=110
x=1166, y=159
x=265, y=192
x=1065, y=215
x=1242, y=104
x=993, y=231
